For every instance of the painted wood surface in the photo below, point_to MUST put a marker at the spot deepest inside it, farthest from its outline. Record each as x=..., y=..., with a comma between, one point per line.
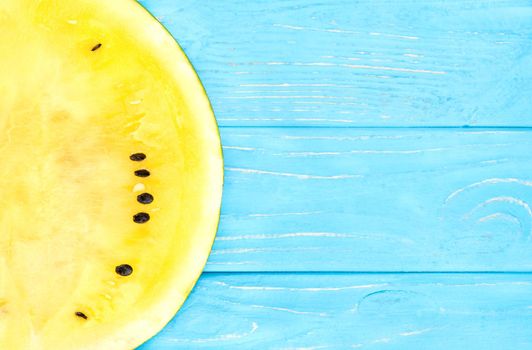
x=344, y=151
x=337, y=199
x=349, y=311
x=345, y=62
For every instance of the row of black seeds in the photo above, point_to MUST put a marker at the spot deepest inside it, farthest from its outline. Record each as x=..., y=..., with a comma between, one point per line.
x=139, y=218
x=144, y=198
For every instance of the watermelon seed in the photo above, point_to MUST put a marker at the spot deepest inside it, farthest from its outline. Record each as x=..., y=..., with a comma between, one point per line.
x=81, y=314
x=124, y=270
x=141, y=218
x=142, y=173
x=96, y=47
x=137, y=157
x=145, y=198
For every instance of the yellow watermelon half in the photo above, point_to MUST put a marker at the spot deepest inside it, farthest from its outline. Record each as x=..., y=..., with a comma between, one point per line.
x=111, y=175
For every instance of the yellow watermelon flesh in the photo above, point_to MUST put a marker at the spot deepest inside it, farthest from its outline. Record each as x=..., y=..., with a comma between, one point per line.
x=111, y=175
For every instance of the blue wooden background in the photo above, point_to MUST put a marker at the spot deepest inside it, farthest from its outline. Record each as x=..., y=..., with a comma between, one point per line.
x=378, y=160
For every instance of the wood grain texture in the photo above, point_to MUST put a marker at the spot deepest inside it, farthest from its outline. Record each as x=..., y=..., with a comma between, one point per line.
x=346, y=311
x=353, y=63
x=330, y=199
x=309, y=187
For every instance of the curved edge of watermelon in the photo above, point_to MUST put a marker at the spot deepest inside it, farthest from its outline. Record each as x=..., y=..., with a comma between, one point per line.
x=139, y=331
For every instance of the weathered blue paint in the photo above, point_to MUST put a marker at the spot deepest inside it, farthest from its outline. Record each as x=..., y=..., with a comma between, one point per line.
x=311, y=189
x=353, y=63
x=329, y=199
x=349, y=311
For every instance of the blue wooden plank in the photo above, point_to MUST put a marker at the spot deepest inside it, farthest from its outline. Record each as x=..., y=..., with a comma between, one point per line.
x=346, y=311
x=322, y=199
x=344, y=63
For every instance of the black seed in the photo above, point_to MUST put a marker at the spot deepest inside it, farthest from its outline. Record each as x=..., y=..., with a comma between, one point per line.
x=124, y=270
x=141, y=218
x=142, y=173
x=145, y=198
x=96, y=47
x=137, y=157
x=81, y=314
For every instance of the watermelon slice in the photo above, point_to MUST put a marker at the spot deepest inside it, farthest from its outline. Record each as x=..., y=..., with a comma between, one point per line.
x=111, y=175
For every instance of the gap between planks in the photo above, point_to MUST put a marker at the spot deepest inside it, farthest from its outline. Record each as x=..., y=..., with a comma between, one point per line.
x=236, y=272
x=360, y=127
